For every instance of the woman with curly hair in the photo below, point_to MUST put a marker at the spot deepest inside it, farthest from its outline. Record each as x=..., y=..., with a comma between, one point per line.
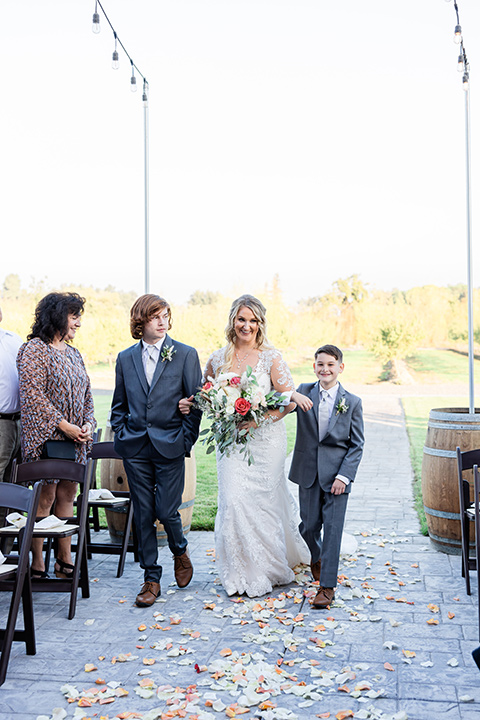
x=56, y=403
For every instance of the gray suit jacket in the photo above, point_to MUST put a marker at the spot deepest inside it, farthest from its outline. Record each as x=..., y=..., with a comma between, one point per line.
x=341, y=449
x=140, y=413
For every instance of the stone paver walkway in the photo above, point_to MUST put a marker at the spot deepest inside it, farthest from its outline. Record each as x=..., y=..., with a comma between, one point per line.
x=374, y=654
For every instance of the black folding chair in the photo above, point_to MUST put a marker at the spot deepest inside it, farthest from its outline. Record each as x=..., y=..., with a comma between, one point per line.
x=122, y=502
x=15, y=572
x=476, y=515
x=28, y=473
x=466, y=461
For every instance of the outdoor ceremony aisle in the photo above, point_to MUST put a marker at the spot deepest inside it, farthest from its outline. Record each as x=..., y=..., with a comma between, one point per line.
x=396, y=643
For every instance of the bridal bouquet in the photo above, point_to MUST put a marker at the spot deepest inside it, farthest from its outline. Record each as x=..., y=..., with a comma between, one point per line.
x=230, y=400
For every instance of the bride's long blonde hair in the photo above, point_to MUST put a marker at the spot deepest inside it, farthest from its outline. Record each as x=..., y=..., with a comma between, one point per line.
x=259, y=311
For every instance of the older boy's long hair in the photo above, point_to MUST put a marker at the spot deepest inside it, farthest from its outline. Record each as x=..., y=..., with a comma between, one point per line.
x=259, y=311
x=143, y=310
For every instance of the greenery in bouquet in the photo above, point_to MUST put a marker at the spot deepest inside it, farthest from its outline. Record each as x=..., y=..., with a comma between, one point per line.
x=229, y=401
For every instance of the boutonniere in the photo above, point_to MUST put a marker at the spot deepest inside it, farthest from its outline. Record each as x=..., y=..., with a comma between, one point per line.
x=168, y=353
x=341, y=406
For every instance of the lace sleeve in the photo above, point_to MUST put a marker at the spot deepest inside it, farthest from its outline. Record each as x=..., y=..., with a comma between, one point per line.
x=214, y=362
x=279, y=372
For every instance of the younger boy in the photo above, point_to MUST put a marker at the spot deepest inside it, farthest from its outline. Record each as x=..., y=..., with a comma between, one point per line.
x=328, y=449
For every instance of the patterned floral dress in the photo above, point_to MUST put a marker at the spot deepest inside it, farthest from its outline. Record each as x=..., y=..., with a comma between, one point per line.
x=53, y=385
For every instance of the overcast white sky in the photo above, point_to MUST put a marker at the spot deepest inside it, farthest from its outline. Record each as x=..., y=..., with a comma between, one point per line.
x=309, y=138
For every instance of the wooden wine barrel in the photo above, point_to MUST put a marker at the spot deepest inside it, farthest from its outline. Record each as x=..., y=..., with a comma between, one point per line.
x=447, y=428
x=113, y=477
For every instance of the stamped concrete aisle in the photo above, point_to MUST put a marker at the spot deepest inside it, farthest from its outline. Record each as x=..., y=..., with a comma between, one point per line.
x=396, y=643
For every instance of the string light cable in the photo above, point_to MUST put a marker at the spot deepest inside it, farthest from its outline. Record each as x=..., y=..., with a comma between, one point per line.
x=115, y=57
x=462, y=63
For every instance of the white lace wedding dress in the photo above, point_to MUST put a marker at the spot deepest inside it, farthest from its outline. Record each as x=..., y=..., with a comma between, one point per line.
x=257, y=542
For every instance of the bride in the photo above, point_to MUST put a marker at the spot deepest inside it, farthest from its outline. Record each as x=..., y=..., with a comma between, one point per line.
x=257, y=541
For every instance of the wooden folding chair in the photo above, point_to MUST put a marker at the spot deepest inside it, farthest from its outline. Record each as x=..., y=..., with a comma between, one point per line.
x=105, y=451
x=28, y=473
x=466, y=461
x=15, y=572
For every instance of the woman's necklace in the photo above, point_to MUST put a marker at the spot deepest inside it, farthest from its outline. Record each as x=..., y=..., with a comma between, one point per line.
x=240, y=360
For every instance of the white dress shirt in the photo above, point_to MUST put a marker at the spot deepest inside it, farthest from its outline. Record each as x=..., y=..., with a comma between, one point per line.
x=9, y=397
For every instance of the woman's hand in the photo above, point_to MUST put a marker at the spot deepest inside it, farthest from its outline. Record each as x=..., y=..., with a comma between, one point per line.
x=185, y=405
x=303, y=401
x=73, y=432
x=86, y=432
x=247, y=425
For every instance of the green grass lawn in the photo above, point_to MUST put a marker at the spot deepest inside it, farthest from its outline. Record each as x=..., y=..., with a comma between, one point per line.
x=441, y=366
x=417, y=410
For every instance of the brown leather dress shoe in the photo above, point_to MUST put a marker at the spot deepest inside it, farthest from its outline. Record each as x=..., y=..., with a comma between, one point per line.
x=148, y=594
x=315, y=568
x=183, y=569
x=323, y=598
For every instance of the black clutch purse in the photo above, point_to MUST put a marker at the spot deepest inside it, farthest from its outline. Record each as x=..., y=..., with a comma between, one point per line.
x=58, y=450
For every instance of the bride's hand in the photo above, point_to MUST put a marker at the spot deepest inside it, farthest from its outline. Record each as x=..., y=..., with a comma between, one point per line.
x=185, y=404
x=247, y=425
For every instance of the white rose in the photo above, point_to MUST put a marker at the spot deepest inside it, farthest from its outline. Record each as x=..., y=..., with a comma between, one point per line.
x=232, y=392
x=230, y=407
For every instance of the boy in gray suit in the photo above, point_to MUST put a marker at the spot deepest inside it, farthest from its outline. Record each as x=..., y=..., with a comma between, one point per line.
x=328, y=450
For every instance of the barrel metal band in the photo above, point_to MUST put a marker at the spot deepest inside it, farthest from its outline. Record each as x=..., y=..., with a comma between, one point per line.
x=441, y=514
x=186, y=504
x=458, y=417
x=439, y=453
x=446, y=541
x=450, y=426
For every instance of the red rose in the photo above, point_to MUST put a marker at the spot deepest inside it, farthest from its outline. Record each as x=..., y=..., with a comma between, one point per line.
x=207, y=386
x=235, y=380
x=242, y=406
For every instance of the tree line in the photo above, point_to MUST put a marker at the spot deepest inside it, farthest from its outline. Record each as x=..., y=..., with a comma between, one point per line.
x=350, y=314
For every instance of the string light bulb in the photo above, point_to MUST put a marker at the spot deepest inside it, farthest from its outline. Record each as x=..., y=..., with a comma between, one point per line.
x=133, y=80
x=466, y=82
x=145, y=94
x=115, y=61
x=460, y=66
x=457, y=38
x=96, y=21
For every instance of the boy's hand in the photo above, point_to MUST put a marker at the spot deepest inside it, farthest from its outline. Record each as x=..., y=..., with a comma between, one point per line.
x=303, y=402
x=338, y=487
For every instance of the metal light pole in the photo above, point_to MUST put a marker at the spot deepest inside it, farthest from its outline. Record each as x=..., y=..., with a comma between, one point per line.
x=146, y=168
x=464, y=67
x=471, y=384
